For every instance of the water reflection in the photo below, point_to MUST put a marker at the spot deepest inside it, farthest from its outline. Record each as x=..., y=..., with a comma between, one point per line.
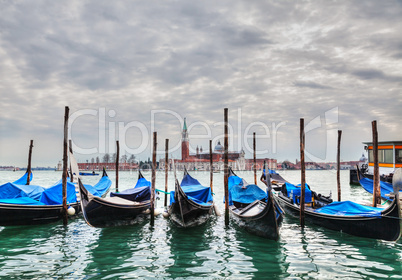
x=114, y=246
x=43, y=251
x=190, y=250
x=317, y=251
x=265, y=256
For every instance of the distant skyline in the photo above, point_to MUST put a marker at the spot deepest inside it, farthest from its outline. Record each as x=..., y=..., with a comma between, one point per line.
x=126, y=68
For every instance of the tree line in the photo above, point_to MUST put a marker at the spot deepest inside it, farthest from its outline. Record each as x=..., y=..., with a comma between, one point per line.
x=107, y=158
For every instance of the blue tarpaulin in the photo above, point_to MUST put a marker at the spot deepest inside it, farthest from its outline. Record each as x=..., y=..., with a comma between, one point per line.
x=386, y=188
x=242, y=192
x=27, y=194
x=21, y=200
x=349, y=208
x=136, y=194
x=53, y=195
x=23, y=179
x=11, y=190
x=142, y=182
x=141, y=191
x=296, y=191
x=194, y=191
x=100, y=188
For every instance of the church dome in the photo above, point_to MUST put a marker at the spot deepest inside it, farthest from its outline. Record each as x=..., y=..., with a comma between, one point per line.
x=218, y=148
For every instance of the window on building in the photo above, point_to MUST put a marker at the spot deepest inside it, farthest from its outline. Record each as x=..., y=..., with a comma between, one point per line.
x=371, y=156
x=384, y=156
x=381, y=156
x=398, y=156
x=388, y=156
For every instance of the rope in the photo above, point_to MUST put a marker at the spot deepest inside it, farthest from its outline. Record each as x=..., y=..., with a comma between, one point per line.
x=385, y=201
x=162, y=191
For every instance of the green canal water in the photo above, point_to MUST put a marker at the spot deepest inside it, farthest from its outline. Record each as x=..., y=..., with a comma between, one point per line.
x=211, y=251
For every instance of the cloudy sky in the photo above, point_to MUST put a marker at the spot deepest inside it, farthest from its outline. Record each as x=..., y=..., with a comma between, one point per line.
x=126, y=68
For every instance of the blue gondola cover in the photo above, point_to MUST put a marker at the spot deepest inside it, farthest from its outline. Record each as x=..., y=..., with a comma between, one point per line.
x=142, y=182
x=349, y=208
x=136, y=194
x=11, y=190
x=242, y=192
x=21, y=200
x=23, y=179
x=12, y=193
x=386, y=188
x=296, y=191
x=194, y=191
x=100, y=188
x=53, y=195
x=141, y=191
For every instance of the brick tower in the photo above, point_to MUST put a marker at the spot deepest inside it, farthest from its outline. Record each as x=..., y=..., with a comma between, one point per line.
x=185, y=145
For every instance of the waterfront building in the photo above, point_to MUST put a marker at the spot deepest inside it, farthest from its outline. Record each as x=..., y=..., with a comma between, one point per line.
x=201, y=159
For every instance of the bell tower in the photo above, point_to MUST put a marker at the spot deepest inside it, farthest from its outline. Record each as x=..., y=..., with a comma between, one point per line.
x=185, y=145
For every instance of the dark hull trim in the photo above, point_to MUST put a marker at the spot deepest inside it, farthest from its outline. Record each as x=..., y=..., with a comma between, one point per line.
x=187, y=213
x=388, y=227
x=264, y=224
x=99, y=212
x=18, y=215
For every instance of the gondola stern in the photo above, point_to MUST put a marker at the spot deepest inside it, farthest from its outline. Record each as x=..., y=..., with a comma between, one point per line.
x=231, y=172
x=104, y=174
x=185, y=172
x=140, y=176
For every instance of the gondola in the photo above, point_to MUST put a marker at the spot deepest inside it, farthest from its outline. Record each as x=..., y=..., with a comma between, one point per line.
x=191, y=204
x=88, y=173
x=276, y=179
x=36, y=205
x=121, y=208
x=367, y=184
x=345, y=216
x=254, y=209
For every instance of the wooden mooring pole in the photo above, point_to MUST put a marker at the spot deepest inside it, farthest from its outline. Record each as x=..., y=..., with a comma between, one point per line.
x=226, y=167
x=255, y=161
x=29, y=163
x=70, y=148
x=65, y=157
x=166, y=169
x=338, y=165
x=303, y=172
x=153, y=181
x=211, y=167
x=117, y=165
x=376, y=178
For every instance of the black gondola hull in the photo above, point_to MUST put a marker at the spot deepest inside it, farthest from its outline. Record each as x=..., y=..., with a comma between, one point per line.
x=101, y=213
x=264, y=224
x=387, y=227
x=187, y=213
x=20, y=215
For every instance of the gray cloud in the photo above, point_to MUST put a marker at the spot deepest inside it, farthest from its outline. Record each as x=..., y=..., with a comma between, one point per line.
x=277, y=61
x=310, y=85
x=370, y=74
